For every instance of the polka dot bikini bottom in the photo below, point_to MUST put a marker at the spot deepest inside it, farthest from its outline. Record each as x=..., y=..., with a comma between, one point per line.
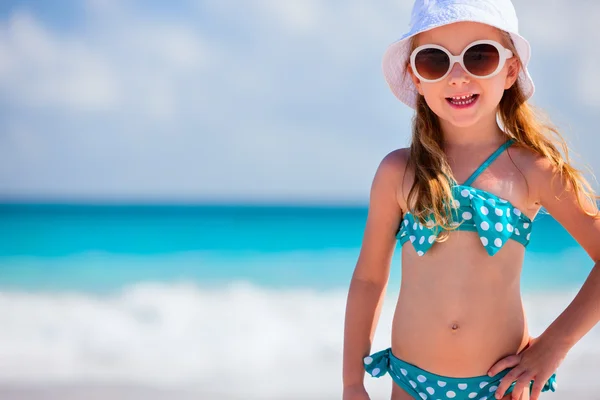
x=421, y=384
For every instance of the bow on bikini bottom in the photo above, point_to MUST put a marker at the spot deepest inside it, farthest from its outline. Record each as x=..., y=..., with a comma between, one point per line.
x=421, y=384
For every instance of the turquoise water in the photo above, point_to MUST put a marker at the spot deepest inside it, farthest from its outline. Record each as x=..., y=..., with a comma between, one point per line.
x=105, y=247
x=190, y=296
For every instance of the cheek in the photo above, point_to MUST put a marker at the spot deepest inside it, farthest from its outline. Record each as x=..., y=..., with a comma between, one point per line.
x=433, y=93
x=493, y=89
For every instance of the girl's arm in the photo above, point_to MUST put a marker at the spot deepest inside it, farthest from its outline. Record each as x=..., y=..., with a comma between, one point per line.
x=560, y=201
x=543, y=356
x=371, y=274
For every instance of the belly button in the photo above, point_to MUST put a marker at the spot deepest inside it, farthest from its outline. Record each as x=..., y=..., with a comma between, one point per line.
x=454, y=327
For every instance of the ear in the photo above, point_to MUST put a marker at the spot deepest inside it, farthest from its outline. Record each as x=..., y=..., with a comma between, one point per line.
x=514, y=67
x=416, y=81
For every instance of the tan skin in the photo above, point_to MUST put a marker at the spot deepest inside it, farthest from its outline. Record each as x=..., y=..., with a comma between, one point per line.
x=459, y=310
x=469, y=304
x=469, y=312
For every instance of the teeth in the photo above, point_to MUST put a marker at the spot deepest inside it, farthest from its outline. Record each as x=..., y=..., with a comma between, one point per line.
x=462, y=97
x=462, y=100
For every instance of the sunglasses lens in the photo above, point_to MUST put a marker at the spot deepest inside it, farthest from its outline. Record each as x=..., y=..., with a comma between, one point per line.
x=432, y=63
x=481, y=59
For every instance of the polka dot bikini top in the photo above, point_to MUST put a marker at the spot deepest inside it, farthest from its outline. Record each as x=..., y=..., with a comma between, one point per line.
x=494, y=219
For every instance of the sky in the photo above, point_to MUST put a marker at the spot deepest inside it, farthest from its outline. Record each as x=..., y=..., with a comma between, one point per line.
x=229, y=101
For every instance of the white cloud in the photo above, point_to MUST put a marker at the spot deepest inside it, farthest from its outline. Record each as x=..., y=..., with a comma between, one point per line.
x=294, y=16
x=45, y=70
x=139, y=66
x=231, y=99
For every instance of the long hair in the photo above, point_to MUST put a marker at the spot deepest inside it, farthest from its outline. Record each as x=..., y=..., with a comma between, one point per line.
x=529, y=128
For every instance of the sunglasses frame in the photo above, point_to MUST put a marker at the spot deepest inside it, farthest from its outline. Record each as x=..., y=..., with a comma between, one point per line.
x=504, y=53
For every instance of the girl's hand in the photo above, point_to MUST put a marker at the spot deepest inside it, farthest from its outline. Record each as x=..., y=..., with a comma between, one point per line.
x=357, y=392
x=538, y=361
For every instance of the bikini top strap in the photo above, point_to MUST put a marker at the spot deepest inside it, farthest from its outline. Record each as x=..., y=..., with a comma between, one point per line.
x=487, y=162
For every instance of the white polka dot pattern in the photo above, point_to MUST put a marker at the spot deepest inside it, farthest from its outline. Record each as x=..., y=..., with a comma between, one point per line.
x=429, y=386
x=495, y=219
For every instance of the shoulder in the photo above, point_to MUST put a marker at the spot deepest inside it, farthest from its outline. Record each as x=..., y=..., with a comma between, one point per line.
x=524, y=156
x=545, y=178
x=537, y=168
x=393, y=166
x=541, y=168
x=560, y=193
x=395, y=162
x=536, y=163
x=390, y=175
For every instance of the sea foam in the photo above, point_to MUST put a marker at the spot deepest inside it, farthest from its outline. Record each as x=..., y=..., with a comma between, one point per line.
x=237, y=340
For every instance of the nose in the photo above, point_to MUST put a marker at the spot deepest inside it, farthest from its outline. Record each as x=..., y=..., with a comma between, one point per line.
x=458, y=75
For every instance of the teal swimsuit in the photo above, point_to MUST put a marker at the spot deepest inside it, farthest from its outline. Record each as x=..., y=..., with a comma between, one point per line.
x=495, y=220
x=421, y=384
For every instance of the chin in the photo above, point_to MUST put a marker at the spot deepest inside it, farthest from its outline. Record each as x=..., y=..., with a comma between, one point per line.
x=460, y=121
x=463, y=122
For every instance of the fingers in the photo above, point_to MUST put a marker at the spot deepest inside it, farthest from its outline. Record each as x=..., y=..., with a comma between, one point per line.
x=507, y=380
x=536, y=389
x=523, y=383
x=507, y=362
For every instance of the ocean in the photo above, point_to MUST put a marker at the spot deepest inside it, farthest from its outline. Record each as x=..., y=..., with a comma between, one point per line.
x=216, y=302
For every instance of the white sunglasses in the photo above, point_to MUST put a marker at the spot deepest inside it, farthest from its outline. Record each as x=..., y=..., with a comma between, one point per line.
x=481, y=59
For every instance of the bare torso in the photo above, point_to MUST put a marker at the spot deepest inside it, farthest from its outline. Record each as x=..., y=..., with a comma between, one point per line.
x=460, y=310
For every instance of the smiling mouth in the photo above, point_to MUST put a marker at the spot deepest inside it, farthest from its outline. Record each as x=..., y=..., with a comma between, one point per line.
x=462, y=100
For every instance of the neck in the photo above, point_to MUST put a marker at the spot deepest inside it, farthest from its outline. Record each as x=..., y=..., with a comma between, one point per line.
x=485, y=132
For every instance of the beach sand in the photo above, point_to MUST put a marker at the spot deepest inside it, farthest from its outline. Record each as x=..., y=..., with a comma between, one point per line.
x=101, y=392
x=125, y=392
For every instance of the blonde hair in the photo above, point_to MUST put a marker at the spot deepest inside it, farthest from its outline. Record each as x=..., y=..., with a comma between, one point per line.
x=431, y=191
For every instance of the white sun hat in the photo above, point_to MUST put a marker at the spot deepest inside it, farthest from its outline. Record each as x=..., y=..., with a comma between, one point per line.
x=429, y=14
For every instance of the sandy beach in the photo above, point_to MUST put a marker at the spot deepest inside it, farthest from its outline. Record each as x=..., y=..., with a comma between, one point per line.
x=124, y=392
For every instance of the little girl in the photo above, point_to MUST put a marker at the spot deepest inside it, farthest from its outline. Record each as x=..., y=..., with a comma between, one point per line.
x=461, y=200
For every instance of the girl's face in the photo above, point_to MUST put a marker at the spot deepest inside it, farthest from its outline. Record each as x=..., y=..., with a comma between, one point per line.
x=455, y=37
